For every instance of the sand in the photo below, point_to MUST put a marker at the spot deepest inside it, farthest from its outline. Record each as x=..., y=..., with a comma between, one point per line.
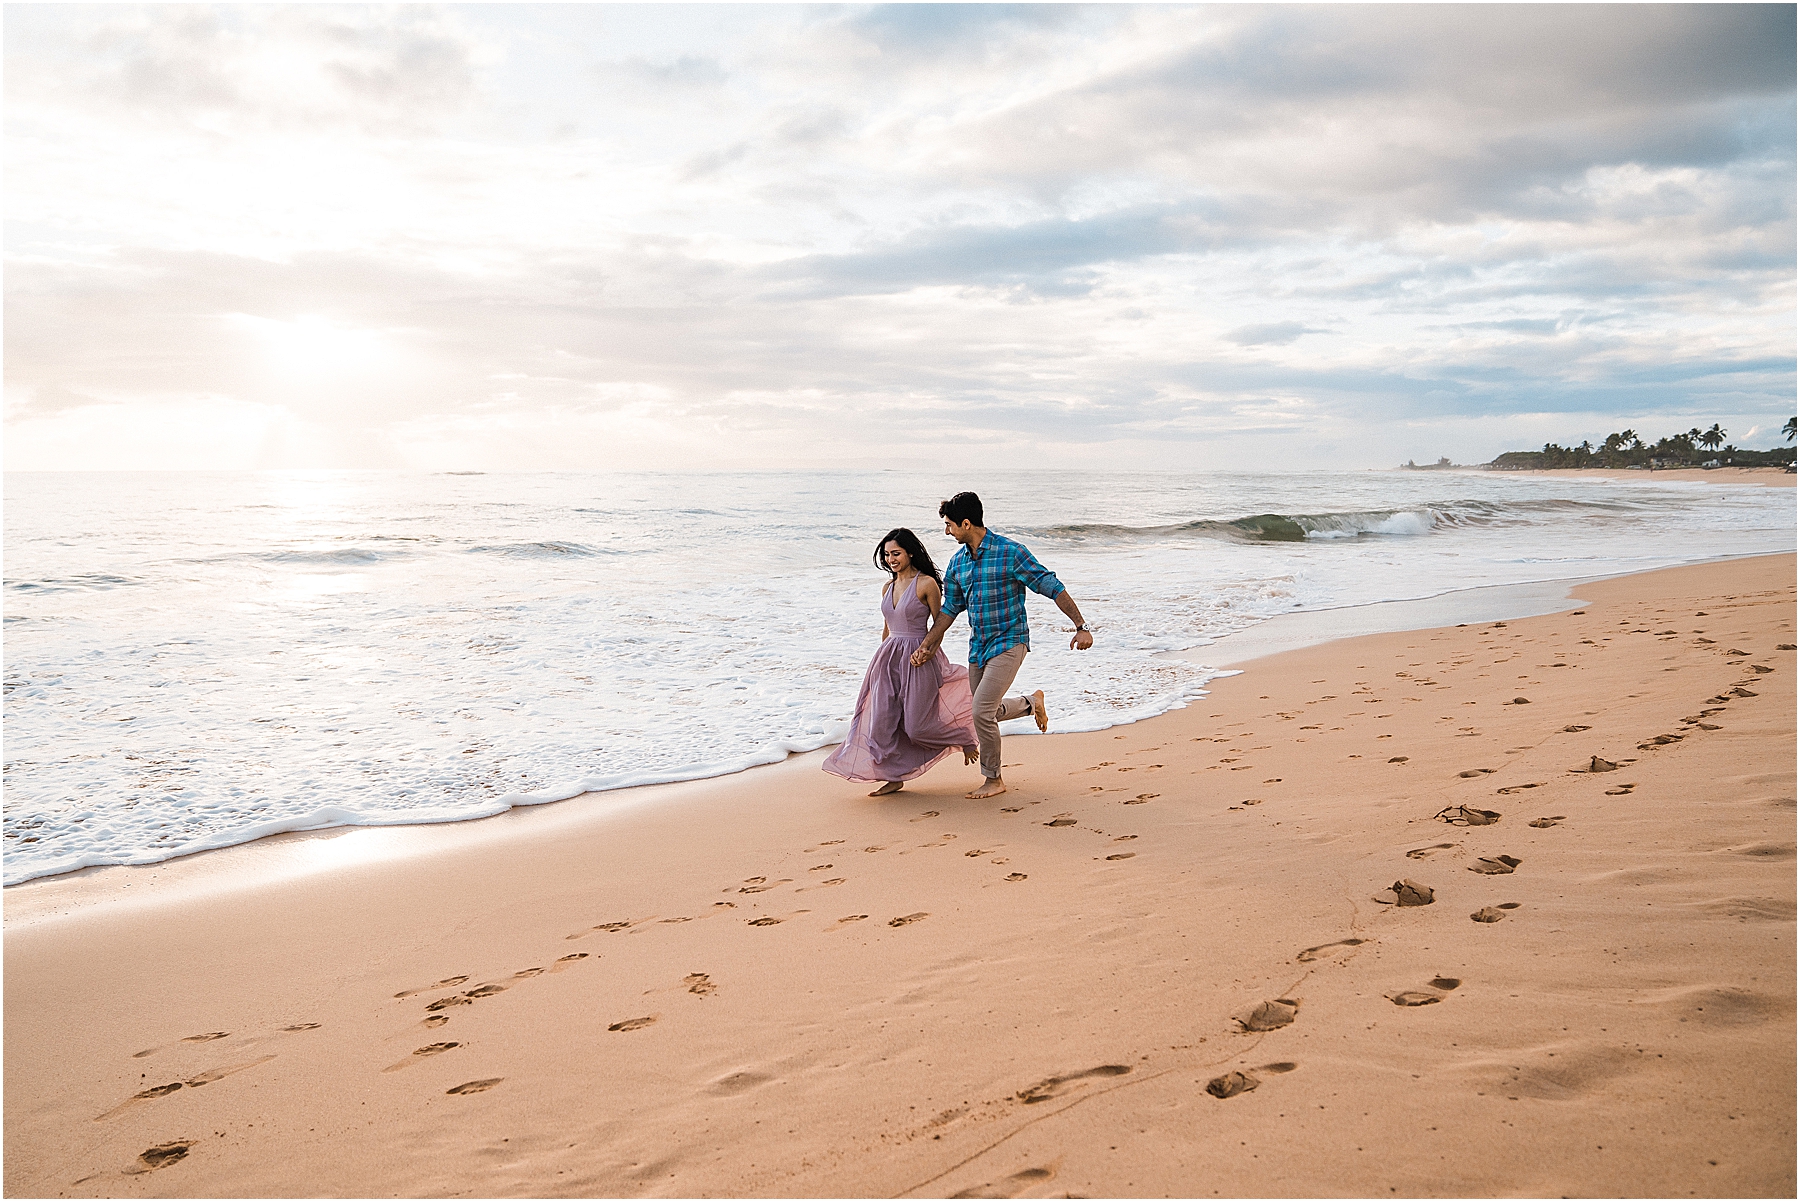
x=769, y=984
x=1774, y=477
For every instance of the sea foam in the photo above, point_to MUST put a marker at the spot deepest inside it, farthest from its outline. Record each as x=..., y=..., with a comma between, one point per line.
x=197, y=661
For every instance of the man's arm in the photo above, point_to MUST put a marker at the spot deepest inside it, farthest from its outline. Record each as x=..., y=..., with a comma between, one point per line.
x=953, y=603
x=1040, y=579
x=929, y=645
x=1082, y=640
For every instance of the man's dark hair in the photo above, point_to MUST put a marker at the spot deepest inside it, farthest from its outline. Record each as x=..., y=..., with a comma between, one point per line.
x=963, y=507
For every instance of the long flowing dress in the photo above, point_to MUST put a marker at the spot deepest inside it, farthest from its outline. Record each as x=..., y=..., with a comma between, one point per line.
x=907, y=718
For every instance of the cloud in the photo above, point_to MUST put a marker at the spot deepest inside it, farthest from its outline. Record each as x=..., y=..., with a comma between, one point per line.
x=1069, y=232
x=1275, y=333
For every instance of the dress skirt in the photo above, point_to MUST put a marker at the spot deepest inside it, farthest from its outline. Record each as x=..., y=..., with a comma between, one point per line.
x=907, y=718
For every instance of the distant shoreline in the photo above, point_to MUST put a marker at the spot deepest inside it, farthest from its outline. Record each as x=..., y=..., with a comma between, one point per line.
x=1771, y=476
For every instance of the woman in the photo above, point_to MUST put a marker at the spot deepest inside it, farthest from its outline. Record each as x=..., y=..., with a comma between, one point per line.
x=907, y=718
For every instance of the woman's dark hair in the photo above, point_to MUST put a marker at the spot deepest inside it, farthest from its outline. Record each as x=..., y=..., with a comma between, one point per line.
x=909, y=543
x=963, y=507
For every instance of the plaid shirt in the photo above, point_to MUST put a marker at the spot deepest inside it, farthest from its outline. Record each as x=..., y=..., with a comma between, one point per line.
x=991, y=586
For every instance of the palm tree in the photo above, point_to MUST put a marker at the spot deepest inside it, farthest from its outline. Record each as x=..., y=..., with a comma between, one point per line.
x=1631, y=436
x=1712, y=438
x=1789, y=429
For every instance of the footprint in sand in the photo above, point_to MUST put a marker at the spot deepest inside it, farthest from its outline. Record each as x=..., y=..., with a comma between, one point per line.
x=1231, y=1084
x=924, y=816
x=1123, y=855
x=1467, y=816
x=699, y=983
x=908, y=919
x=1546, y=823
x=1007, y=1187
x=633, y=1024
x=1521, y=788
x=446, y=983
x=1495, y=865
x=195, y=1082
x=1420, y=853
x=765, y=921
x=1015, y=876
x=1010, y=809
x=466, y=998
x=1493, y=913
x=1056, y=1087
x=846, y=920
x=430, y=1049
x=1406, y=893
x=481, y=1086
x=529, y=972
x=1439, y=986
x=1060, y=821
x=208, y=1037
x=303, y=1027
x=1141, y=798
x=1239, y=1081
x=435, y=1020
x=563, y=962
x=1325, y=950
x=1575, y=730
x=163, y=1155
x=1477, y=771
x=1268, y=1016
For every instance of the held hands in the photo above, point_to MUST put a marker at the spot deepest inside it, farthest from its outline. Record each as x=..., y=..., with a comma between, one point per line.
x=1082, y=641
x=923, y=653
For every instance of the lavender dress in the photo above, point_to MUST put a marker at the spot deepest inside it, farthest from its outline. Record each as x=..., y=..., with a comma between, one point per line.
x=907, y=718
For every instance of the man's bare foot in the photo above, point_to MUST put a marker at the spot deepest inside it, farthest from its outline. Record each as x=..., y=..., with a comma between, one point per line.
x=992, y=788
x=1039, y=712
x=892, y=786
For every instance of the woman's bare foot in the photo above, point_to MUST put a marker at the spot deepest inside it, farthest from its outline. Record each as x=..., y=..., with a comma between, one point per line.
x=892, y=786
x=970, y=757
x=992, y=788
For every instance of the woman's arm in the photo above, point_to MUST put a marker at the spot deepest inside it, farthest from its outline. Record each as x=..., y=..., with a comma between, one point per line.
x=930, y=594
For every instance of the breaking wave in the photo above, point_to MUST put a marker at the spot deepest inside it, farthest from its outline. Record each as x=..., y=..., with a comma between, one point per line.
x=1299, y=527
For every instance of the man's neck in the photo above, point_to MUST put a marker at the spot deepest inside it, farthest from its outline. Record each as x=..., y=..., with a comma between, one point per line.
x=974, y=543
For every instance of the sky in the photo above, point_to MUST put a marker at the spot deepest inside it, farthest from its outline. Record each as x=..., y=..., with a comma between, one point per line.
x=519, y=237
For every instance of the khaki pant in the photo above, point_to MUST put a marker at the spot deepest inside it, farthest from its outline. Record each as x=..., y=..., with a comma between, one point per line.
x=992, y=706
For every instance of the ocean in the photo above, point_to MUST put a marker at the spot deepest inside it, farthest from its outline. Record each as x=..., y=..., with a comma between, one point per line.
x=198, y=660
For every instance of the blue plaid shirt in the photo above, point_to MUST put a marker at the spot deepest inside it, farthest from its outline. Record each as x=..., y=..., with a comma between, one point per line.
x=991, y=586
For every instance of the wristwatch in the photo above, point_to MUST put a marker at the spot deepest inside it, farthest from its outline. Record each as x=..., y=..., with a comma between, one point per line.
x=1084, y=626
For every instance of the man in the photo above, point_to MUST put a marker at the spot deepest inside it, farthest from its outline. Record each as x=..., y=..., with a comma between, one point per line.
x=988, y=576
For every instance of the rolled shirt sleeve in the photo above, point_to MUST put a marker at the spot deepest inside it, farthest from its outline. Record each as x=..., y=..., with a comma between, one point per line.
x=954, y=600
x=1035, y=576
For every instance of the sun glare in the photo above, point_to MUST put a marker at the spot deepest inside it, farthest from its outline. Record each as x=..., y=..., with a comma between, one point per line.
x=315, y=346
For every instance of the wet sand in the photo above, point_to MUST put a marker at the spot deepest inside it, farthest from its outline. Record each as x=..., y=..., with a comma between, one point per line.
x=769, y=984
